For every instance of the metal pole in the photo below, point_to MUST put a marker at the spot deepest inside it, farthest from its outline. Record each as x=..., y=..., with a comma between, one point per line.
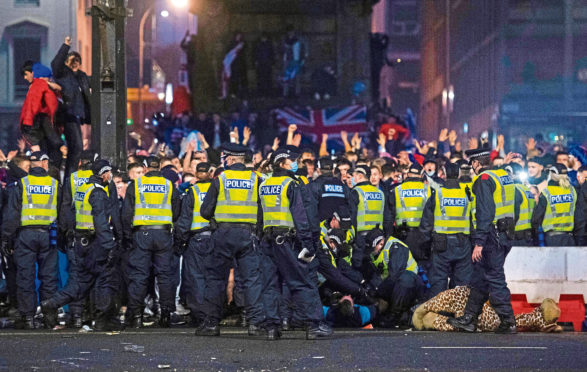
x=568, y=55
x=447, y=61
x=141, y=57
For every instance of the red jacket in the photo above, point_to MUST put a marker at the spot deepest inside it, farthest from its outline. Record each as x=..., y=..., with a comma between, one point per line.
x=40, y=99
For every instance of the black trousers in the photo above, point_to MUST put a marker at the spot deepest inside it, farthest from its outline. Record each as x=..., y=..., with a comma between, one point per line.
x=91, y=274
x=488, y=279
x=230, y=242
x=402, y=293
x=194, y=272
x=32, y=247
x=73, y=136
x=453, y=260
x=559, y=240
x=280, y=261
x=151, y=249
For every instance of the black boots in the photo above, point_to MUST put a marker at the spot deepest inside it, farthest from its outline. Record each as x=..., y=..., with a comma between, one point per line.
x=467, y=322
x=318, y=330
x=136, y=321
x=76, y=321
x=165, y=319
x=273, y=334
x=26, y=322
x=255, y=330
x=507, y=326
x=208, y=329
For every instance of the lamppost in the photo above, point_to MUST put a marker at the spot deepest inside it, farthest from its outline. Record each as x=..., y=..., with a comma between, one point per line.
x=141, y=58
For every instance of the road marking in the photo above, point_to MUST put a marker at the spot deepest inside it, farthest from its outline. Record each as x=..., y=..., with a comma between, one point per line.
x=485, y=347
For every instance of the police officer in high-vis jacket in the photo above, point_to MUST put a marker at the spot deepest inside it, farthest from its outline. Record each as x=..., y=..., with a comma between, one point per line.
x=523, y=236
x=446, y=220
x=406, y=202
x=95, y=249
x=497, y=207
x=284, y=221
x=370, y=210
x=193, y=238
x=393, y=272
x=232, y=201
x=557, y=210
x=67, y=223
x=31, y=209
x=151, y=206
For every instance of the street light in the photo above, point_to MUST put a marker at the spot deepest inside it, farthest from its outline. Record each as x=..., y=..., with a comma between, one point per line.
x=164, y=13
x=180, y=3
x=141, y=57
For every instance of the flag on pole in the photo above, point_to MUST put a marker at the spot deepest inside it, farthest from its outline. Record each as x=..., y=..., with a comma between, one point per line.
x=227, y=69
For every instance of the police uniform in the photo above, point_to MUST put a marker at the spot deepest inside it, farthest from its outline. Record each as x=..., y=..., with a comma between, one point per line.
x=335, y=272
x=94, y=268
x=497, y=204
x=328, y=191
x=371, y=211
x=232, y=200
x=523, y=229
x=285, y=220
x=406, y=204
x=446, y=220
x=67, y=224
x=194, y=230
x=557, y=213
x=31, y=209
x=151, y=206
x=393, y=271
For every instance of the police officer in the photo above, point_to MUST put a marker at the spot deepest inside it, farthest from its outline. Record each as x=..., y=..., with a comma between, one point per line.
x=497, y=209
x=232, y=200
x=193, y=239
x=523, y=236
x=393, y=271
x=67, y=223
x=284, y=221
x=335, y=272
x=447, y=221
x=151, y=205
x=371, y=211
x=18, y=168
x=95, y=251
x=31, y=209
x=328, y=191
x=557, y=210
x=406, y=203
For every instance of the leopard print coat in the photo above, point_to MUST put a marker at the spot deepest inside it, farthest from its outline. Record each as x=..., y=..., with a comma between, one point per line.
x=453, y=301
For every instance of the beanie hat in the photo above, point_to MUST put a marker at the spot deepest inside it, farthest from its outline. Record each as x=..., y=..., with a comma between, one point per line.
x=41, y=71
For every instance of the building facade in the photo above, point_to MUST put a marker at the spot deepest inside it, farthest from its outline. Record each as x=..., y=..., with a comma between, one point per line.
x=34, y=30
x=511, y=66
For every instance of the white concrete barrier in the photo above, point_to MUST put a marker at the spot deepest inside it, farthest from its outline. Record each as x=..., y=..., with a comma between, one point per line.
x=547, y=272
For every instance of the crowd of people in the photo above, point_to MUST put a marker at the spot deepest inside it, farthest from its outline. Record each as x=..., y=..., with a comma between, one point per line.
x=218, y=221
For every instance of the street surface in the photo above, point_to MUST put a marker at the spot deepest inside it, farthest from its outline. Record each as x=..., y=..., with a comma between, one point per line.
x=349, y=350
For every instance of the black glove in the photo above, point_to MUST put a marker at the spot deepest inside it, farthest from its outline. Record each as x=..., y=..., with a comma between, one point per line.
x=127, y=245
x=7, y=248
x=113, y=257
x=213, y=224
x=364, y=298
x=179, y=248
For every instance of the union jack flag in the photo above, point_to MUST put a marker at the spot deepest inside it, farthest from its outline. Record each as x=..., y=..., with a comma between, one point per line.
x=329, y=120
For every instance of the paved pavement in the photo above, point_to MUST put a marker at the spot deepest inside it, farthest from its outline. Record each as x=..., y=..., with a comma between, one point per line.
x=348, y=350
